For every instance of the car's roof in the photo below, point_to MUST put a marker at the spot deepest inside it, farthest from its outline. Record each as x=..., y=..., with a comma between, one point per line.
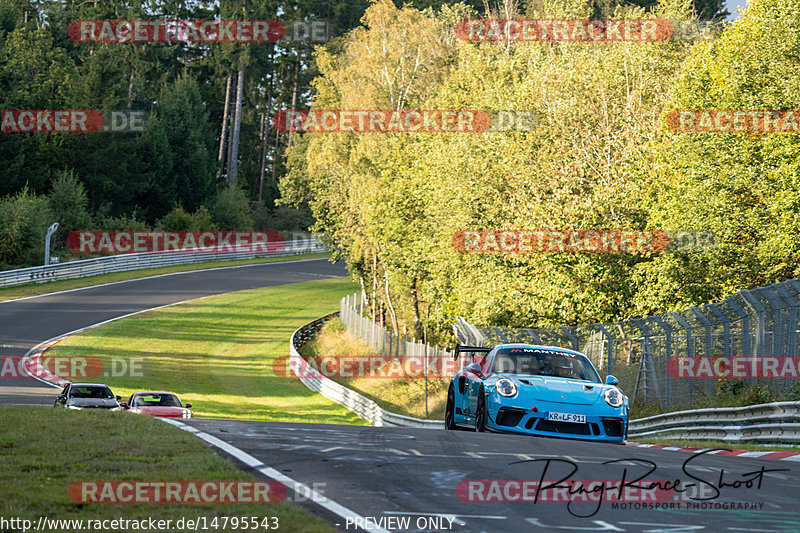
x=90, y=385
x=538, y=347
x=153, y=392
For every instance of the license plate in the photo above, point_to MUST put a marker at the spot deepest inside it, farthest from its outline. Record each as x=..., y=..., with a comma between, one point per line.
x=565, y=417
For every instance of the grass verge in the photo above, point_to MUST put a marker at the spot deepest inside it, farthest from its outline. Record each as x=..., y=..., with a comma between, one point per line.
x=36, y=289
x=43, y=451
x=218, y=352
x=405, y=396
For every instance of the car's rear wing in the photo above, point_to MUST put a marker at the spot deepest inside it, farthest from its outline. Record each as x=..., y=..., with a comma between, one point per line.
x=460, y=348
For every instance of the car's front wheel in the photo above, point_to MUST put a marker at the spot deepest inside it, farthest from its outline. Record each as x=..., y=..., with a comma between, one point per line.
x=480, y=414
x=450, y=410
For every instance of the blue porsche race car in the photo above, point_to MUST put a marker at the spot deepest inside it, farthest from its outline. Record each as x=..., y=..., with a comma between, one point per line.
x=536, y=390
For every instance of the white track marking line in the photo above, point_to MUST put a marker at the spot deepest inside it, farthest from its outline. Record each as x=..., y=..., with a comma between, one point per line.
x=270, y=472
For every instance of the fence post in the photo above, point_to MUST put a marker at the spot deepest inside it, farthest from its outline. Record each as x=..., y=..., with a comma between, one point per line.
x=425, y=369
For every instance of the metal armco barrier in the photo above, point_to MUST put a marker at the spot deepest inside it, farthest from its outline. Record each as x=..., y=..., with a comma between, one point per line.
x=355, y=402
x=137, y=261
x=768, y=423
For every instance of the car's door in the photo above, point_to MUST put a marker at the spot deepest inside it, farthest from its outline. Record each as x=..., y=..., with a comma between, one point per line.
x=61, y=401
x=474, y=376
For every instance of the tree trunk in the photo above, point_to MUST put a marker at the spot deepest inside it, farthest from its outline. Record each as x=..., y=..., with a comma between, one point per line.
x=415, y=302
x=231, y=113
x=225, y=120
x=237, y=125
x=374, y=284
x=265, y=142
x=395, y=326
x=275, y=159
x=130, y=87
x=294, y=93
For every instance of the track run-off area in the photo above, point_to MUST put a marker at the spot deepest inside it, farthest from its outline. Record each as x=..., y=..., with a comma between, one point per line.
x=399, y=479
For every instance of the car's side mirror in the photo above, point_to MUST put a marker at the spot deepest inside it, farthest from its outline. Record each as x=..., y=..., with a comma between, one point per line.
x=475, y=368
x=124, y=405
x=188, y=405
x=119, y=398
x=611, y=380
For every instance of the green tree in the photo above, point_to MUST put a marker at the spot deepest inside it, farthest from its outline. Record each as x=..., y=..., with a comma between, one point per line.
x=24, y=219
x=743, y=187
x=68, y=204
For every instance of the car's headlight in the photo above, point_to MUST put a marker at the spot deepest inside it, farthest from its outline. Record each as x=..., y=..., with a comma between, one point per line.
x=614, y=397
x=505, y=387
x=187, y=413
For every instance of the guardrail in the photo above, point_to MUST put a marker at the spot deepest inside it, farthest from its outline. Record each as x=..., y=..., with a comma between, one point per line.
x=355, y=402
x=137, y=261
x=777, y=422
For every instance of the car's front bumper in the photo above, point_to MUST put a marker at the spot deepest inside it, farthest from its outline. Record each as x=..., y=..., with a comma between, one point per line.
x=609, y=425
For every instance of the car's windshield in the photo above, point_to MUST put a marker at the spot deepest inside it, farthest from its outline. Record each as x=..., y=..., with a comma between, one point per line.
x=156, y=400
x=542, y=362
x=102, y=393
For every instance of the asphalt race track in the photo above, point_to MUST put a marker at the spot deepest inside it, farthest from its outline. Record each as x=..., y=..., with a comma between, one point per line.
x=414, y=473
x=27, y=322
x=409, y=479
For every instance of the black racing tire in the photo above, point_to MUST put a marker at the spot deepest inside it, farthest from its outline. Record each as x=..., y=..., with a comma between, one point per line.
x=450, y=410
x=480, y=413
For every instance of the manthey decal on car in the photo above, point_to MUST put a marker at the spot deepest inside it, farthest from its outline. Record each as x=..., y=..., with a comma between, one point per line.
x=536, y=390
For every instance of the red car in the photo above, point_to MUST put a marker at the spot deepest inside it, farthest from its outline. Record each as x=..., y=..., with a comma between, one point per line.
x=163, y=404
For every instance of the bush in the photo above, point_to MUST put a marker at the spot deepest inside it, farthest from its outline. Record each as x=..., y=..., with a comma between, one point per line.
x=230, y=210
x=24, y=219
x=291, y=218
x=121, y=223
x=179, y=220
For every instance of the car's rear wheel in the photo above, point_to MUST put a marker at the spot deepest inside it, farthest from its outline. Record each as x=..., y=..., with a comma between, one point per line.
x=450, y=410
x=480, y=414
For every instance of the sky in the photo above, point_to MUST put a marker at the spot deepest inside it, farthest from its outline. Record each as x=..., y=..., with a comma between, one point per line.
x=733, y=5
